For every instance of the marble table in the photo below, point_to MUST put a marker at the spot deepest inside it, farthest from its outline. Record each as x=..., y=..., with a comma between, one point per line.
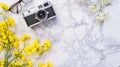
x=77, y=40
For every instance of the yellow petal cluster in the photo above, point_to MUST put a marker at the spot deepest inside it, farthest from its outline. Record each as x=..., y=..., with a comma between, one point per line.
x=29, y=63
x=29, y=49
x=46, y=44
x=4, y=6
x=14, y=40
x=25, y=37
x=19, y=55
x=1, y=46
x=36, y=47
x=33, y=47
x=2, y=62
x=15, y=52
x=22, y=57
x=39, y=50
x=15, y=64
x=3, y=25
x=6, y=35
x=48, y=64
x=10, y=21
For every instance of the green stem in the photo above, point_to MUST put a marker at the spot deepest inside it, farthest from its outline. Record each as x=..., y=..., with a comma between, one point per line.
x=7, y=49
x=24, y=44
x=6, y=58
x=16, y=57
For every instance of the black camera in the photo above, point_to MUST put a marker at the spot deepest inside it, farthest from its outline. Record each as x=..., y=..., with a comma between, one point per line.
x=39, y=14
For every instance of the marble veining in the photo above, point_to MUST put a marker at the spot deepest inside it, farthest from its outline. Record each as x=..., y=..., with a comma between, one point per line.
x=77, y=40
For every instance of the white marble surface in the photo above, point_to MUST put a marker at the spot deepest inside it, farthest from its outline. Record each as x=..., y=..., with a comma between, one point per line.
x=77, y=41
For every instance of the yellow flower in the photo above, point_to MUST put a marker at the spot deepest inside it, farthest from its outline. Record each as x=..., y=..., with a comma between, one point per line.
x=46, y=44
x=39, y=50
x=49, y=64
x=10, y=21
x=40, y=64
x=9, y=32
x=22, y=57
x=32, y=47
x=25, y=37
x=1, y=46
x=29, y=63
x=45, y=47
x=4, y=6
x=36, y=43
x=1, y=30
x=4, y=36
x=29, y=49
x=11, y=64
x=13, y=39
x=4, y=41
x=17, y=63
x=26, y=50
x=15, y=52
x=16, y=44
x=2, y=62
x=3, y=25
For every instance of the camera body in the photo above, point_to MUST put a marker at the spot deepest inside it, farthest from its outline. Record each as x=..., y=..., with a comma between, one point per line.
x=39, y=14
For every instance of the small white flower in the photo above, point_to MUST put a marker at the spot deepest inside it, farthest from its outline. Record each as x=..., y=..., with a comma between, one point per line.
x=92, y=7
x=105, y=1
x=100, y=16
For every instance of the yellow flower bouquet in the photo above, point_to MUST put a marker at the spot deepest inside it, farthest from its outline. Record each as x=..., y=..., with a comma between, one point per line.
x=9, y=43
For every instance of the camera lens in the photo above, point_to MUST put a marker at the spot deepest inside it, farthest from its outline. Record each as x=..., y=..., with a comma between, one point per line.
x=41, y=14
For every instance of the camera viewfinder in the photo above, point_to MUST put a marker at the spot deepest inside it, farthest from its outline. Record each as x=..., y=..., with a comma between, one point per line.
x=46, y=4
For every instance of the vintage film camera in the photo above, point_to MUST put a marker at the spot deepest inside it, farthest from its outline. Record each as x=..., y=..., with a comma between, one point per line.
x=39, y=14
